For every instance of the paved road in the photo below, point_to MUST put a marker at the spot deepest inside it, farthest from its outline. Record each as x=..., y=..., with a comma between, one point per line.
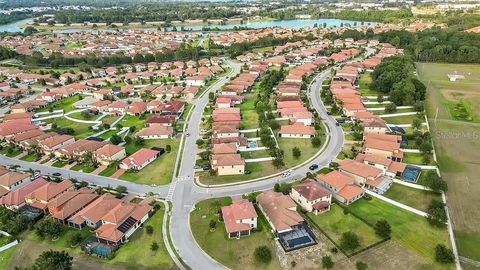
x=93, y=179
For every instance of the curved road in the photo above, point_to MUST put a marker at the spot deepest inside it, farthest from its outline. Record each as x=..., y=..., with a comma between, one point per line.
x=186, y=193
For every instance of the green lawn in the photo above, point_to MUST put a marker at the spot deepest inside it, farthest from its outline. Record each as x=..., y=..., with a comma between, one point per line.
x=249, y=114
x=409, y=229
x=130, y=120
x=399, y=120
x=232, y=253
x=468, y=245
x=364, y=85
x=66, y=104
x=335, y=222
x=305, y=146
x=82, y=131
x=158, y=172
x=83, y=168
x=108, y=171
x=416, y=198
x=255, y=154
x=79, y=115
x=108, y=134
x=109, y=119
x=59, y=164
x=414, y=158
x=136, y=253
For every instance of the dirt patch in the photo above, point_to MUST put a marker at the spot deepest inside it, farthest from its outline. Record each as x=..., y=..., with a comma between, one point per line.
x=389, y=255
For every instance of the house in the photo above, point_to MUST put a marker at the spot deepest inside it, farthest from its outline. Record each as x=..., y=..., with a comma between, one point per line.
x=312, y=196
x=155, y=132
x=223, y=102
x=296, y=130
x=240, y=218
x=139, y=159
x=40, y=197
x=69, y=203
x=109, y=153
x=12, y=180
x=280, y=211
x=121, y=222
x=118, y=107
x=51, y=144
x=228, y=164
x=16, y=198
x=163, y=120
x=387, y=146
x=198, y=80
x=224, y=148
x=92, y=214
x=79, y=148
x=342, y=186
x=225, y=131
x=137, y=108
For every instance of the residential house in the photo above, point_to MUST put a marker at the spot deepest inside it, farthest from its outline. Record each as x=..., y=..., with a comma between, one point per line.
x=109, y=153
x=51, y=144
x=139, y=159
x=240, y=218
x=228, y=164
x=342, y=186
x=40, y=197
x=312, y=197
x=16, y=198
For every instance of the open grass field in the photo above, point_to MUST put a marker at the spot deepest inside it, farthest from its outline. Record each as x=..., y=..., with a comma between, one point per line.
x=414, y=158
x=160, y=171
x=257, y=169
x=233, y=253
x=456, y=142
x=416, y=198
x=335, y=223
x=412, y=231
x=400, y=120
x=83, y=168
x=248, y=112
x=305, y=146
x=82, y=131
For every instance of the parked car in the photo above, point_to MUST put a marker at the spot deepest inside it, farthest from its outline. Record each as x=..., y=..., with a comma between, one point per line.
x=313, y=167
x=57, y=174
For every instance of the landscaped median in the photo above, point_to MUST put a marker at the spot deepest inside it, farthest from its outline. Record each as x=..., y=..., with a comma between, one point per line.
x=232, y=253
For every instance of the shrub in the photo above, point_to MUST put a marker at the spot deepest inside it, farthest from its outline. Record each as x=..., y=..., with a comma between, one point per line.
x=361, y=266
x=327, y=262
x=349, y=241
x=149, y=229
x=444, y=254
x=263, y=254
x=383, y=229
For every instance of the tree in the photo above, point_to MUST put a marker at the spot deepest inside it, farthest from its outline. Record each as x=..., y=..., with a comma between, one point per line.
x=435, y=182
x=115, y=139
x=361, y=265
x=263, y=254
x=154, y=246
x=139, y=141
x=437, y=215
x=383, y=229
x=416, y=123
x=296, y=152
x=390, y=108
x=53, y=260
x=75, y=239
x=380, y=98
x=316, y=142
x=327, y=262
x=149, y=229
x=349, y=241
x=212, y=224
x=121, y=189
x=444, y=254
x=48, y=228
x=168, y=148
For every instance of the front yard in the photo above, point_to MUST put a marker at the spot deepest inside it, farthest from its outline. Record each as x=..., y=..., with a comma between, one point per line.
x=232, y=253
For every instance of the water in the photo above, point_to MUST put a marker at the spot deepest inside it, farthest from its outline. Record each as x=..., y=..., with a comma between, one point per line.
x=295, y=24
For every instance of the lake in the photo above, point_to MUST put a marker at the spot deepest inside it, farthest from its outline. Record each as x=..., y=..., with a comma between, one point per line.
x=295, y=24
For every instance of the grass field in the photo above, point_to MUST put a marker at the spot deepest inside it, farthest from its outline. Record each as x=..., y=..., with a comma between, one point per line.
x=83, y=168
x=456, y=142
x=364, y=85
x=410, y=230
x=248, y=112
x=414, y=158
x=108, y=171
x=305, y=146
x=399, y=120
x=233, y=253
x=257, y=169
x=59, y=164
x=335, y=222
x=82, y=131
x=158, y=172
x=65, y=104
x=416, y=198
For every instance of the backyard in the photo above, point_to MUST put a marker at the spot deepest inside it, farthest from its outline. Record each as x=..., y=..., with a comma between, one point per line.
x=410, y=230
x=416, y=198
x=334, y=223
x=455, y=140
x=81, y=131
x=233, y=253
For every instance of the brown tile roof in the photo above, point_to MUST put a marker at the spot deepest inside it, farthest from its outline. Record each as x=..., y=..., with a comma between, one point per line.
x=17, y=197
x=97, y=209
x=278, y=208
x=227, y=160
x=224, y=148
x=336, y=179
x=238, y=210
x=108, y=150
x=51, y=190
x=311, y=190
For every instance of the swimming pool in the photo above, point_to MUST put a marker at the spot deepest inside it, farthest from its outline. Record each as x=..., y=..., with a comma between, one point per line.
x=411, y=174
